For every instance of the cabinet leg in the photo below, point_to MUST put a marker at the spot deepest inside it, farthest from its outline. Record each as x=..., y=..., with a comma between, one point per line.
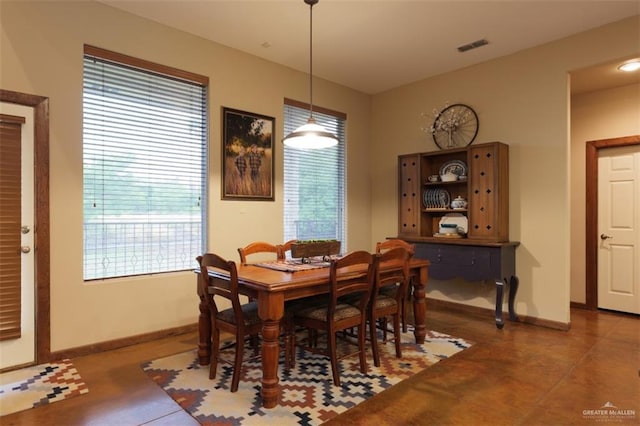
x=513, y=289
x=499, y=297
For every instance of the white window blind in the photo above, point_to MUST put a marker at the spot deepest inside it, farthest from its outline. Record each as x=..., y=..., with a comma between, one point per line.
x=144, y=164
x=314, y=180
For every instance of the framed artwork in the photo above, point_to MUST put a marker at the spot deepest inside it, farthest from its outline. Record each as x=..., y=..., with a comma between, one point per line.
x=247, y=155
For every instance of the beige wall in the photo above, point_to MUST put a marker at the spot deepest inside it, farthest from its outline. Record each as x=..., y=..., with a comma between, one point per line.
x=598, y=115
x=521, y=100
x=41, y=53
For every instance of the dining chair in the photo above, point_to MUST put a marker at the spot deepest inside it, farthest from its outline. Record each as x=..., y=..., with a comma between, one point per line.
x=389, y=244
x=241, y=320
x=389, y=293
x=332, y=314
x=257, y=247
x=393, y=243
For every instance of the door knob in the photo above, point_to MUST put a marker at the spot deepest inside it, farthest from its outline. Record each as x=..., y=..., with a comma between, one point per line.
x=25, y=249
x=605, y=236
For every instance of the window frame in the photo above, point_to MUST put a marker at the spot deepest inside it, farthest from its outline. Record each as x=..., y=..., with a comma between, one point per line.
x=323, y=116
x=125, y=61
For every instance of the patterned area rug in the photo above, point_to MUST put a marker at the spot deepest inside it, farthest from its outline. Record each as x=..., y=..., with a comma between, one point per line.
x=308, y=396
x=39, y=385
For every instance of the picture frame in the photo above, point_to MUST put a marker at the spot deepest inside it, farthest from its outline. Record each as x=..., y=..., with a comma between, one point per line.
x=248, y=157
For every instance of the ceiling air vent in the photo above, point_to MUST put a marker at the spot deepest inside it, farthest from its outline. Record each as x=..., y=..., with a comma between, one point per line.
x=472, y=45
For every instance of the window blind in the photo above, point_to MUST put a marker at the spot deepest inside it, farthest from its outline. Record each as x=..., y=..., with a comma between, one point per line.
x=314, y=180
x=10, y=223
x=144, y=162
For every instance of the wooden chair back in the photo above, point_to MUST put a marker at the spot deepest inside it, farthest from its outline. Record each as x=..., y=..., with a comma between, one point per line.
x=350, y=287
x=360, y=288
x=396, y=279
x=260, y=247
x=388, y=297
x=392, y=243
x=212, y=287
x=385, y=245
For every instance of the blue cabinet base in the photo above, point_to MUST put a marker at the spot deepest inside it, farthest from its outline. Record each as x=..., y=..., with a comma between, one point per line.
x=474, y=261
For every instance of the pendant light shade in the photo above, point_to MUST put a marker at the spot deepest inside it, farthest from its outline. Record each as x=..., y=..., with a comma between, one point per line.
x=310, y=135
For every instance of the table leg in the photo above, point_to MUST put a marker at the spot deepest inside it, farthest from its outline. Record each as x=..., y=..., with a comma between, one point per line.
x=513, y=289
x=204, y=333
x=270, y=310
x=499, y=297
x=419, y=305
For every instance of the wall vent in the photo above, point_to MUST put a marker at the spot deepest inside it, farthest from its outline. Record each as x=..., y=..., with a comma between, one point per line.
x=472, y=45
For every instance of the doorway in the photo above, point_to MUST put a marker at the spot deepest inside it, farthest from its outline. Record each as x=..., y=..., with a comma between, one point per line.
x=41, y=238
x=592, y=238
x=17, y=310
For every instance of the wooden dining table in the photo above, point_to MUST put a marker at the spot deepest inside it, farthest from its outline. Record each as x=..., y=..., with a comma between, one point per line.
x=271, y=288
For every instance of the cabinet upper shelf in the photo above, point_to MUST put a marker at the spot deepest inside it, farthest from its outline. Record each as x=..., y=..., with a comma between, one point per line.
x=486, y=189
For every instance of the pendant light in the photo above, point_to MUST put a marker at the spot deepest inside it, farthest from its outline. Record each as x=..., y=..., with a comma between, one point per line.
x=310, y=135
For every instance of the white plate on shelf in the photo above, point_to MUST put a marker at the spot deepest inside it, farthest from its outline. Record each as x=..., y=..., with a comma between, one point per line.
x=436, y=199
x=444, y=199
x=457, y=167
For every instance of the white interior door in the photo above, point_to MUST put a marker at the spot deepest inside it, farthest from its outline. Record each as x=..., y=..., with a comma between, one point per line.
x=22, y=350
x=619, y=227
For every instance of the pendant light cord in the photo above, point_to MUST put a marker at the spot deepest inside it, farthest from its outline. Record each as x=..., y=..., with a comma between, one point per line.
x=311, y=60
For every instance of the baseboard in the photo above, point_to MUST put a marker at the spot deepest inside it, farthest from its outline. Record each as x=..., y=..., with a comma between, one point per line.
x=579, y=305
x=479, y=311
x=121, y=343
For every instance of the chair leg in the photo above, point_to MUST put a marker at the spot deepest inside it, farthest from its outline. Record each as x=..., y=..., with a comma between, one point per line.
x=237, y=366
x=287, y=351
x=396, y=334
x=313, y=338
x=292, y=350
x=331, y=343
x=384, y=326
x=289, y=344
x=373, y=334
x=215, y=350
x=254, y=341
x=362, y=346
x=294, y=342
x=405, y=301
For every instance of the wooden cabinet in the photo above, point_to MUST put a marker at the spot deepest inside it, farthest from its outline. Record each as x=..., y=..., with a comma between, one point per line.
x=486, y=252
x=486, y=188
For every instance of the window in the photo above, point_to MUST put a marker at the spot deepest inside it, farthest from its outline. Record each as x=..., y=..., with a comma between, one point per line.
x=314, y=182
x=144, y=164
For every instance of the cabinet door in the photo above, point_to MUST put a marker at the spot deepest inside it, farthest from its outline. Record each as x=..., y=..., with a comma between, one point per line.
x=489, y=192
x=410, y=195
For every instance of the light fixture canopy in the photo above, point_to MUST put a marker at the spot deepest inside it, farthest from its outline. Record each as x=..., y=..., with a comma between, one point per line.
x=629, y=66
x=310, y=135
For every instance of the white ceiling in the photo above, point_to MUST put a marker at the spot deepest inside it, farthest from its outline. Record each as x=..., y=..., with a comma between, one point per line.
x=377, y=45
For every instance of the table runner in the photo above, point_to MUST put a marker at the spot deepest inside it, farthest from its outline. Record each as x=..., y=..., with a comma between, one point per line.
x=293, y=265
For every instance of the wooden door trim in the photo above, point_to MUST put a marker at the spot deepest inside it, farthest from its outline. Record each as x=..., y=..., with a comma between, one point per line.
x=40, y=106
x=591, y=238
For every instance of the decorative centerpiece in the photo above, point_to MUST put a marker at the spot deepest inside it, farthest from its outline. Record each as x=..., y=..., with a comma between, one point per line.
x=311, y=248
